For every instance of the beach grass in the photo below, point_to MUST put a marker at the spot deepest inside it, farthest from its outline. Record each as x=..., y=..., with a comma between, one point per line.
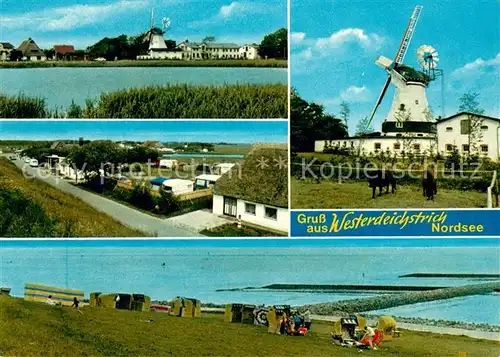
x=71, y=215
x=331, y=194
x=269, y=63
x=36, y=329
x=240, y=101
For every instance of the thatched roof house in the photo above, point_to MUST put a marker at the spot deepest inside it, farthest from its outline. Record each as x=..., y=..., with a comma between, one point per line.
x=256, y=190
x=30, y=50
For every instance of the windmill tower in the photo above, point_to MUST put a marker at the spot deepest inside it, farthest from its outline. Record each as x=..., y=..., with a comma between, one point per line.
x=408, y=112
x=155, y=34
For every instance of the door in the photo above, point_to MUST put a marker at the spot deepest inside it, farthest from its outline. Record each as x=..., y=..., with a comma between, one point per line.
x=230, y=206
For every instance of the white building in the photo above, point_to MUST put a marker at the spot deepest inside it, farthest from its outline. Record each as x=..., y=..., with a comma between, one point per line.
x=250, y=52
x=5, y=50
x=258, y=195
x=209, y=50
x=454, y=132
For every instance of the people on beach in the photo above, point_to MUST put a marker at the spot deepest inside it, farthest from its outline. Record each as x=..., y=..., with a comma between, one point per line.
x=307, y=319
x=368, y=337
x=75, y=304
x=50, y=301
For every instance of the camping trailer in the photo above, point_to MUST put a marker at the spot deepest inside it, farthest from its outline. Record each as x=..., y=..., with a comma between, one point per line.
x=178, y=186
x=205, y=181
x=221, y=169
x=157, y=182
x=167, y=164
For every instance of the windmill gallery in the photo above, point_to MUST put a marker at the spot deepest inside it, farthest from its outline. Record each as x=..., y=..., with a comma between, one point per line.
x=409, y=127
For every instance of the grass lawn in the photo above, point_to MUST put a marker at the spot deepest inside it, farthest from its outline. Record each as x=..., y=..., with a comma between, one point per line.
x=61, y=206
x=232, y=230
x=36, y=329
x=152, y=63
x=330, y=194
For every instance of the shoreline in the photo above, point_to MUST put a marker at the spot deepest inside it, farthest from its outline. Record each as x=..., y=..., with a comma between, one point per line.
x=269, y=63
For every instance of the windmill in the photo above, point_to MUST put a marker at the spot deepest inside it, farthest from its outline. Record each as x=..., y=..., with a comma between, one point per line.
x=155, y=34
x=410, y=84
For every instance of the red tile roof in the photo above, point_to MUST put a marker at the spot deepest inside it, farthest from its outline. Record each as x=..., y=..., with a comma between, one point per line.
x=63, y=49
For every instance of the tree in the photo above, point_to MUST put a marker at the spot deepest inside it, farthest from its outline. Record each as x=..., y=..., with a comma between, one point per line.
x=345, y=111
x=96, y=156
x=364, y=127
x=15, y=55
x=275, y=45
x=469, y=103
x=309, y=123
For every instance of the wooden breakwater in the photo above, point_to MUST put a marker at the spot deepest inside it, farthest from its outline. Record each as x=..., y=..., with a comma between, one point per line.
x=394, y=300
x=452, y=275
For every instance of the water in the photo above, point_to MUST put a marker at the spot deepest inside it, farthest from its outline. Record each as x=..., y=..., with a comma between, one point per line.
x=200, y=271
x=206, y=156
x=59, y=86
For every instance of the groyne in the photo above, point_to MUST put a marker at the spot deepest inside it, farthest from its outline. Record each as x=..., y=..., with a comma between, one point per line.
x=394, y=300
x=452, y=275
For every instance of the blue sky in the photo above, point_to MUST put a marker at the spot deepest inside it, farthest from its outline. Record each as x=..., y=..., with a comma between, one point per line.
x=240, y=131
x=335, y=44
x=84, y=22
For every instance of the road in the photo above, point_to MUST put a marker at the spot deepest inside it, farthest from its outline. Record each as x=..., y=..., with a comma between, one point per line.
x=155, y=227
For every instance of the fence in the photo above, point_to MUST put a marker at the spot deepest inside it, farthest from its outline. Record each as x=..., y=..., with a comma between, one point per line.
x=493, y=190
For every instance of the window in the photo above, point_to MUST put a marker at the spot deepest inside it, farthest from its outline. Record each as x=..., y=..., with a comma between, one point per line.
x=465, y=127
x=416, y=101
x=378, y=146
x=449, y=129
x=416, y=147
x=397, y=146
x=484, y=127
x=420, y=134
x=250, y=208
x=271, y=213
x=399, y=124
x=465, y=147
x=449, y=147
x=484, y=148
x=399, y=135
x=402, y=107
x=352, y=144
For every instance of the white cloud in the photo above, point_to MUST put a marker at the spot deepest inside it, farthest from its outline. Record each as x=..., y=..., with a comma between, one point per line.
x=297, y=37
x=69, y=17
x=350, y=95
x=477, y=67
x=233, y=10
x=350, y=35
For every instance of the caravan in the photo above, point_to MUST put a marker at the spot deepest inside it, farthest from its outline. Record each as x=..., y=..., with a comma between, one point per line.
x=178, y=186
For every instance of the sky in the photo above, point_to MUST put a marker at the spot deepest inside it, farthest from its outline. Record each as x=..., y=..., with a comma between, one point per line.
x=83, y=22
x=334, y=44
x=240, y=131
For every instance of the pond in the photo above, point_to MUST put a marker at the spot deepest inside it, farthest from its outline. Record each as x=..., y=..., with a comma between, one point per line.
x=59, y=86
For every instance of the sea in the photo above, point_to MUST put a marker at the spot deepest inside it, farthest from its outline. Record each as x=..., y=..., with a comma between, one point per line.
x=61, y=85
x=165, y=269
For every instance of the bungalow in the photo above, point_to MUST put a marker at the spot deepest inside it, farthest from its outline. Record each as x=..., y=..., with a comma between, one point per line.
x=64, y=52
x=257, y=190
x=31, y=51
x=5, y=50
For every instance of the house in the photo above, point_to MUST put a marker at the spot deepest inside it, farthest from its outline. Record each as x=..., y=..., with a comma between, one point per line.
x=205, y=181
x=455, y=132
x=250, y=52
x=5, y=50
x=31, y=51
x=257, y=190
x=209, y=50
x=64, y=52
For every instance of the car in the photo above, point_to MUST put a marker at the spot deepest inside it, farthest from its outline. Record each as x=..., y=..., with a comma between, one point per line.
x=27, y=160
x=100, y=59
x=12, y=157
x=33, y=162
